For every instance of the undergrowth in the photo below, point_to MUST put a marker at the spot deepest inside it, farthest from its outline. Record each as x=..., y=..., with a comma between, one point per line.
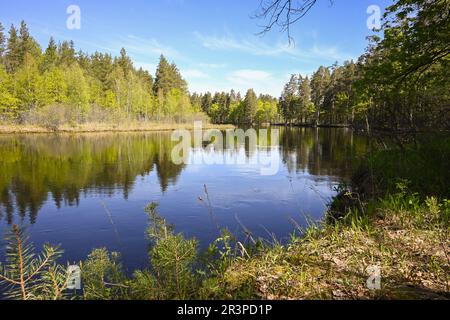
x=405, y=237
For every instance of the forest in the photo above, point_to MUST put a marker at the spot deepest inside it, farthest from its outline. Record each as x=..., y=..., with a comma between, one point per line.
x=59, y=86
x=399, y=84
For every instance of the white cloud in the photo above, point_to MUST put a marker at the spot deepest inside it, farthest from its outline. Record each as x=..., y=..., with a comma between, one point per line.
x=259, y=80
x=259, y=48
x=247, y=76
x=241, y=80
x=140, y=47
x=194, y=73
x=244, y=45
x=212, y=65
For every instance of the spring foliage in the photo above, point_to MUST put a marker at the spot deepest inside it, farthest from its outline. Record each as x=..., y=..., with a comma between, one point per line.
x=60, y=85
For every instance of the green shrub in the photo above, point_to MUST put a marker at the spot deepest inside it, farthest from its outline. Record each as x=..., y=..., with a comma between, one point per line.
x=27, y=276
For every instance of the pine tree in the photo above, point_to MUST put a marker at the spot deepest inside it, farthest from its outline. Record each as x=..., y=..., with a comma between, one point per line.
x=163, y=81
x=66, y=53
x=289, y=99
x=2, y=41
x=124, y=62
x=178, y=81
x=101, y=68
x=168, y=77
x=27, y=276
x=27, y=45
x=50, y=57
x=320, y=83
x=207, y=102
x=250, y=107
x=12, y=59
x=306, y=106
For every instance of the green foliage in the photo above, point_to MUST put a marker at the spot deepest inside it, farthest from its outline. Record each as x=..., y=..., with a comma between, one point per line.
x=172, y=258
x=399, y=84
x=425, y=166
x=103, y=277
x=167, y=78
x=32, y=80
x=250, y=107
x=229, y=270
x=28, y=276
x=8, y=102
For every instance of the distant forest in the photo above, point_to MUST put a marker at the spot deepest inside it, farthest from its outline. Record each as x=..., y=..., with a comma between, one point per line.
x=78, y=87
x=400, y=83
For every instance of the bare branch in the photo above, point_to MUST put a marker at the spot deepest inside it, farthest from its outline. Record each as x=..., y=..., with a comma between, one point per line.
x=283, y=13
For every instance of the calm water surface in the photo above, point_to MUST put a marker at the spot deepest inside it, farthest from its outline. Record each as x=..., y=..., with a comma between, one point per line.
x=88, y=191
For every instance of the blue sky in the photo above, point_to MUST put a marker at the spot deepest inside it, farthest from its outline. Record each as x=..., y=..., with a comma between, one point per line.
x=214, y=42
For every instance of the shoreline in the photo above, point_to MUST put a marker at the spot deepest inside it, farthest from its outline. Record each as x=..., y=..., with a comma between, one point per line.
x=6, y=129
x=305, y=125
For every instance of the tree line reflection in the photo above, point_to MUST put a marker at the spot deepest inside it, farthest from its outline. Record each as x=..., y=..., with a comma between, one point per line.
x=34, y=168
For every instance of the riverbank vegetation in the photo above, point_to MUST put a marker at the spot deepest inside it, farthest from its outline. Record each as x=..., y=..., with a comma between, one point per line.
x=96, y=127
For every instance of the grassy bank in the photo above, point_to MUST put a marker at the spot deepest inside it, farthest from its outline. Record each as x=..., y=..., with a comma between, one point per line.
x=106, y=127
x=406, y=239
x=410, y=245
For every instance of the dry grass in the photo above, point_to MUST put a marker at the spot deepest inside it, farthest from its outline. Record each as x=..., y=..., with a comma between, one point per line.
x=107, y=127
x=331, y=263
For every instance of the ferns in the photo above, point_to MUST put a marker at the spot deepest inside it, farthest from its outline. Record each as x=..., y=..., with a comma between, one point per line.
x=28, y=276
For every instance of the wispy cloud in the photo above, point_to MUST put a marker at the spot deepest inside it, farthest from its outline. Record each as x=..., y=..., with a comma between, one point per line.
x=259, y=80
x=142, y=47
x=245, y=45
x=194, y=73
x=212, y=65
x=246, y=76
x=279, y=49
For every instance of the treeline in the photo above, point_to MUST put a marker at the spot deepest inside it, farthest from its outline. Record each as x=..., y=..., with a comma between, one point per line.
x=232, y=108
x=61, y=85
x=76, y=87
x=400, y=83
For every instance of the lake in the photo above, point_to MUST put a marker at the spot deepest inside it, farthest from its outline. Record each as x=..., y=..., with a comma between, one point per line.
x=86, y=191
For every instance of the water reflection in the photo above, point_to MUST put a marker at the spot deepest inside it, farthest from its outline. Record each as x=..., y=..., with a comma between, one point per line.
x=34, y=168
x=66, y=166
x=322, y=152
